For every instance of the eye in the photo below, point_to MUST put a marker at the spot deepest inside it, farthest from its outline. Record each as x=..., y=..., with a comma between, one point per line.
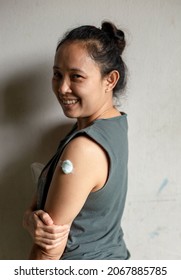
x=57, y=75
x=76, y=76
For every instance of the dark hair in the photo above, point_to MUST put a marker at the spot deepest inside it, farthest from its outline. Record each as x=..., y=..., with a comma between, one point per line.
x=104, y=45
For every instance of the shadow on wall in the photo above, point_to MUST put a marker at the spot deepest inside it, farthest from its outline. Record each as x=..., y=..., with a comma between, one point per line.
x=25, y=104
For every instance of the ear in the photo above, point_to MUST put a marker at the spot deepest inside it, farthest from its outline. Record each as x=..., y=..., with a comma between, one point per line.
x=111, y=80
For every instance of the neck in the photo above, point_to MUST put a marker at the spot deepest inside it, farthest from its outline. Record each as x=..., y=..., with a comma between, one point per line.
x=104, y=114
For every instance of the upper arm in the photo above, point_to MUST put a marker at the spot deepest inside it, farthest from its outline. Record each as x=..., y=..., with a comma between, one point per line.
x=68, y=192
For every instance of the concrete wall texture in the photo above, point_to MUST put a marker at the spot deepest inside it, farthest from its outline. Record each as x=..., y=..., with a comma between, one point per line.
x=32, y=122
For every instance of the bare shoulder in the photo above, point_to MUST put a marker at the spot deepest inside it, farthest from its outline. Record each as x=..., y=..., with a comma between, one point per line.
x=84, y=146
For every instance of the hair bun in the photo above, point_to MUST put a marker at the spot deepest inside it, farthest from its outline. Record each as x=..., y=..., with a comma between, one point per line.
x=116, y=34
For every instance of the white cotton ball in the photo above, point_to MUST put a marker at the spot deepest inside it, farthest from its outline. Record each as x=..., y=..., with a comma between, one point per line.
x=67, y=166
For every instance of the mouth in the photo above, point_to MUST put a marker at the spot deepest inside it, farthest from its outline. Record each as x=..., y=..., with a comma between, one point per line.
x=69, y=101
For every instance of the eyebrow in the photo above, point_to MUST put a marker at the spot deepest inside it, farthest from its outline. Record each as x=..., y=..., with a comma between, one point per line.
x=71, y=69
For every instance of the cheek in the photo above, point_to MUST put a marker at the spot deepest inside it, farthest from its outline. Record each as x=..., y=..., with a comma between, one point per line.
x=54, y=86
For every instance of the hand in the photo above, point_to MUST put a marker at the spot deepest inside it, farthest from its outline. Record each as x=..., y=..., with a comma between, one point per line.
x=44, y=232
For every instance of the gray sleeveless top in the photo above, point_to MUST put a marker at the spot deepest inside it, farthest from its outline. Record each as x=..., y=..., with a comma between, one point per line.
x=96, y=232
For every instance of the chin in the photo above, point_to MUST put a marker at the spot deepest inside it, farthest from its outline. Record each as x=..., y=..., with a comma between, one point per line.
x=70, y=115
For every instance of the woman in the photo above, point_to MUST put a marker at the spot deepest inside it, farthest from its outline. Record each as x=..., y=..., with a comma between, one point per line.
x=84, y=185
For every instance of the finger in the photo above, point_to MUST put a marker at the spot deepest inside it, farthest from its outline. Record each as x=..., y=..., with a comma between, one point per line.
x=49, y=244
x=44, y=217
x=41, y=234
x=50, y=232
x=56, y=229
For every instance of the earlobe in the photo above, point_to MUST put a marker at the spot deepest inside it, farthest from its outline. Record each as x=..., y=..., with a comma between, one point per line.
x=112, y=79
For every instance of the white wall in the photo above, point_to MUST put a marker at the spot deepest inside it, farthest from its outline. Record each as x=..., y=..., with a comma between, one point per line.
x=32, y=122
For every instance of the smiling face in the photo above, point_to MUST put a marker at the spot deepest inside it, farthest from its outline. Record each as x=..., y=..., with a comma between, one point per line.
x=78, y=84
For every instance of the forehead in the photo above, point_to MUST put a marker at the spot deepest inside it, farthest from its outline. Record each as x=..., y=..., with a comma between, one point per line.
x=74, y=55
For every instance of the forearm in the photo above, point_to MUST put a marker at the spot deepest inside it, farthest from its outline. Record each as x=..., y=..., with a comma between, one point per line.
x=26, y=218
x=37, y=253
x=28, y=213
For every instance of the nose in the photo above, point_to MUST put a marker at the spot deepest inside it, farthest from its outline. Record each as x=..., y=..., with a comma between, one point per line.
x=64, y=86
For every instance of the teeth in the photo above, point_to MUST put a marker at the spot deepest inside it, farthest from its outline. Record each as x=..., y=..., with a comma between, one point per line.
x=67, y=102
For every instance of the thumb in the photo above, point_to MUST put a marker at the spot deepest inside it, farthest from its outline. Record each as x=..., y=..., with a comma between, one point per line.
x=44, y=217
